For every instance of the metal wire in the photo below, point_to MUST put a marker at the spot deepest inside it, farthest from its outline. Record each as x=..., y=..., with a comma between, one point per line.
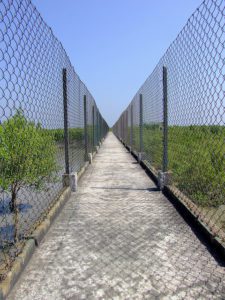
x=194, y=141
x=32, y=128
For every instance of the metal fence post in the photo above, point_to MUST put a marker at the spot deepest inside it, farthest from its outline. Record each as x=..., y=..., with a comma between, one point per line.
x=100, y=129
x=66, y=132
x=131, y=126
x=165, y=177
x=97, y=127
x=93, y=127
x=85, y=128
x=165, y=122
x=141, y=127
x=126, y=136
x=124, y=127
x=121, y=128
x=97, y=130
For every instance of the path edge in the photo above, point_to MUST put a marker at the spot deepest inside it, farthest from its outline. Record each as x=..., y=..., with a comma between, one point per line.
x=34, y=240
x=188, y=215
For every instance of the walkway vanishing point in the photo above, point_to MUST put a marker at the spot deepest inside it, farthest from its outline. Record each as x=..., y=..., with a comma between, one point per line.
x=118, y=237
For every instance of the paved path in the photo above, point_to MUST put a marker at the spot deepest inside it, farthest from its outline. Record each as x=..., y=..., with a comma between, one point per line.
x=119, y=238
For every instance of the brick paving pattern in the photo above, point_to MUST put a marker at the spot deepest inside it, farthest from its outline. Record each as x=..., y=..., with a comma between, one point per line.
x=118, y=237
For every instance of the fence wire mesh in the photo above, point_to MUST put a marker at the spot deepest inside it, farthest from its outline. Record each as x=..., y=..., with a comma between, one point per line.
x=32, y=128
x=195, y=64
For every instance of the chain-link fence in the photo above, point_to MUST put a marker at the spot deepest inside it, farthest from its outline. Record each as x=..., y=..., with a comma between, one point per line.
x=49, y=124
x=176, y=119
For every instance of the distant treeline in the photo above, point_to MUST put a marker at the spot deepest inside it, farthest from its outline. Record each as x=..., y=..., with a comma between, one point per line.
x=74, y=134
x=204, y=128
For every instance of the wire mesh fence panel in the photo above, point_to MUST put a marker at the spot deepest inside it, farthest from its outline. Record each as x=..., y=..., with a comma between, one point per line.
x=76, y=127
x=129, y=130
x=97, y=126
x=126, y=127
x=76, y=90
x=136, y=124
x=94, y=118
x=101, y=127
x=195, y=87
x=32, y=124
x=153, y=119
x=31, y=165
x=90, y=128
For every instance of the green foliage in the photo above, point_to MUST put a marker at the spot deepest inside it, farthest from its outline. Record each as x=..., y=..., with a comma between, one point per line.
x=27, y=153
x=136, y=139
x=27, y=158
x=152, y=140
x=196, y=158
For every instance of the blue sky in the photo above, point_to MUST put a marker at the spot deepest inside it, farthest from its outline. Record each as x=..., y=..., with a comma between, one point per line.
x=115, y=44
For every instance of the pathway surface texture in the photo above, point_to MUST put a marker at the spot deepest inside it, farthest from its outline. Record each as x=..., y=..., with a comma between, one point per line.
x=118, y=237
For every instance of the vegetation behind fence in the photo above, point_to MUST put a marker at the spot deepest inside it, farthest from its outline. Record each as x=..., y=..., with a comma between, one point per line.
x=176, y=119
x=49, y=123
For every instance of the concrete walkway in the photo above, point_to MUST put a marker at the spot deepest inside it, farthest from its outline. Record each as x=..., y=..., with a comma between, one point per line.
x=120, y=238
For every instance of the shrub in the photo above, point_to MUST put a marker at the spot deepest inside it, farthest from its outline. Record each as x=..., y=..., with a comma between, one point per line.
x=27, y=158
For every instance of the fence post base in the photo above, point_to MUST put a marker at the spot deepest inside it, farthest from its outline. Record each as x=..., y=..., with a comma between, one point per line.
x=139, y=156
x=70, y=180
x=90, y=157
x=97, y=148
x=73, y=181
x=164, y=178
x=65, y=180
